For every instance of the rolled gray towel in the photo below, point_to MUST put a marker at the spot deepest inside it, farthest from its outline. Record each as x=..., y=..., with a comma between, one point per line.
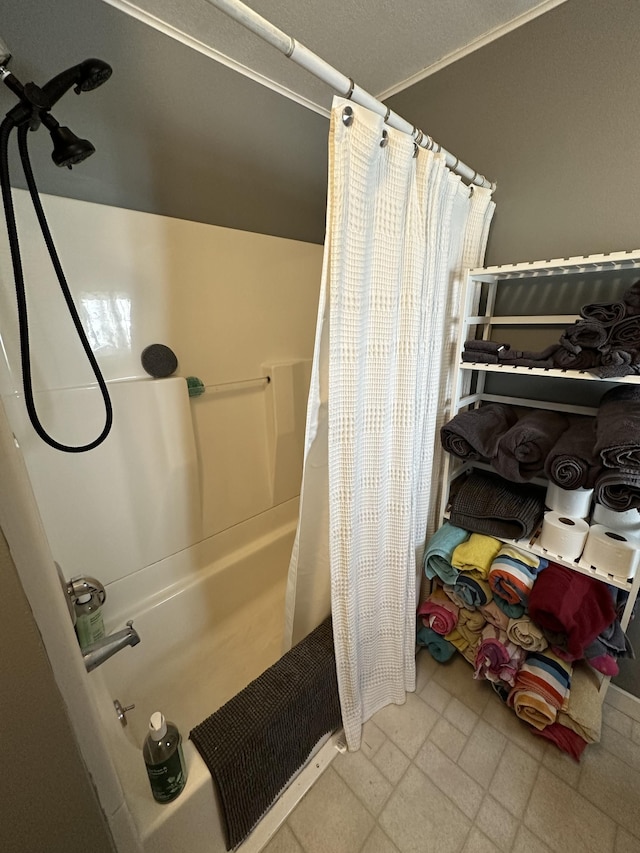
x=618, y=490
x=625, y=334
x=523, y=449
x=605, y=313
x=618, y=429
x=572, y=462
x=584, y=334
x=616, y=363
x=583, y=360
x=475, y=434
x=485, y=503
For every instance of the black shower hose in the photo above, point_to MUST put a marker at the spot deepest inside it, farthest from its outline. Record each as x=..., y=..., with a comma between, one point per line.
x=25, y=355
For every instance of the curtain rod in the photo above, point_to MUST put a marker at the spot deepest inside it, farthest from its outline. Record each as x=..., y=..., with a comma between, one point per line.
x=339, y=82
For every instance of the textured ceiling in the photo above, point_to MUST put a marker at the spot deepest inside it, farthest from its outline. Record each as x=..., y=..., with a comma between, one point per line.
x=180, y=134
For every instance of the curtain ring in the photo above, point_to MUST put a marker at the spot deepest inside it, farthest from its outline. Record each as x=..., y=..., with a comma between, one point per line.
x=347, y=116
x=455, y=165
x=385, y=139
x=419, y=137
x=387, y=114
x=429, y=143
x=416, y=148
x=352, y=86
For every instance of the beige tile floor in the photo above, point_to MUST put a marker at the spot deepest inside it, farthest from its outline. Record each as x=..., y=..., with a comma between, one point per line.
x=454, y=771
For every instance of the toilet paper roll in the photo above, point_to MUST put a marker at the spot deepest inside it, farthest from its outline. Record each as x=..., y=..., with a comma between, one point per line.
x=563, y=536
x=574, y=503
x=627, y=521
x=611, y=551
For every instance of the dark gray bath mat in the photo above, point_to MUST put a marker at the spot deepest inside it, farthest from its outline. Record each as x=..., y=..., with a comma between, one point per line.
x=255, y=743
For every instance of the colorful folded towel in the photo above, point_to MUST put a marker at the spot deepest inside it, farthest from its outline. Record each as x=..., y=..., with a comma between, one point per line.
x=474, y=557
x=474, y=592
x=439, y=612
x=573, y=604
x=513, y=572
x=523, y=449
x=583, y=713
x=494, y=616
x=439, y=648
x=497, y=659
x=540, y=688
x=437, y=556
x=475, y=434
x=523, y=632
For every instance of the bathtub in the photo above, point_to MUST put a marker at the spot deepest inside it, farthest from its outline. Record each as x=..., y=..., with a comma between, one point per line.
x=215, y=624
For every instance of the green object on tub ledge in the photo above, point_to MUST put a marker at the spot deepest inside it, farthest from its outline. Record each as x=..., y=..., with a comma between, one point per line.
x=195, y=386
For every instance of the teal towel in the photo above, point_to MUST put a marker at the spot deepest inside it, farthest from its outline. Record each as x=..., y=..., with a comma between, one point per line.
x=439, y=648
x=437, y=557
x=513, y=611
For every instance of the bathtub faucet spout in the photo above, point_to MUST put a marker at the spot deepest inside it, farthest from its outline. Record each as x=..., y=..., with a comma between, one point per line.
x=99, y=652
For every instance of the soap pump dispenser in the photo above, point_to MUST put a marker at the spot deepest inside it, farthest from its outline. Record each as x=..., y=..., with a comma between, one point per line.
x=162, y=751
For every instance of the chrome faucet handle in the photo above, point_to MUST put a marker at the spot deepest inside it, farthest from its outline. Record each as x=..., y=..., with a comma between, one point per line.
x=83, y=585
x=121, y=711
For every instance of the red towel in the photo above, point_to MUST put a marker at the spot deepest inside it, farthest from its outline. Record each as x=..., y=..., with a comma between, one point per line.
x=565, y=739
x=566, y=602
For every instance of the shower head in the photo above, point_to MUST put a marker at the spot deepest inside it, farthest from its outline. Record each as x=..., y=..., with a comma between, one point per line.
x=83, y=77
x=69, y=149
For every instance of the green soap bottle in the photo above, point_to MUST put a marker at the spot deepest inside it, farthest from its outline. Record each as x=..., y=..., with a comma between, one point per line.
x=89, y=622
x=162, y=751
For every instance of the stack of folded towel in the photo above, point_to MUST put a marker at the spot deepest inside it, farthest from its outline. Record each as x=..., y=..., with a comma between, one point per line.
x=485, y=503
x=606, y=339
x=490, y=352
x=540, y=688
x=618, y=448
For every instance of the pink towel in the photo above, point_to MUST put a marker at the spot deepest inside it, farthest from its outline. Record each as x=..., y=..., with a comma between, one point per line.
x=439, y=613
x=498, y=659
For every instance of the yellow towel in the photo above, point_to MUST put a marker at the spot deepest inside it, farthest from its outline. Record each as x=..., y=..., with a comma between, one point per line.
x=456, y=639
x=533, y=709
x=523, y=632
x=470, y=625
x=474, y=557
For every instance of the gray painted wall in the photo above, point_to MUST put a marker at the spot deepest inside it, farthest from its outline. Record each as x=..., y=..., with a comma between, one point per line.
x=551, y=112
x=48, y=802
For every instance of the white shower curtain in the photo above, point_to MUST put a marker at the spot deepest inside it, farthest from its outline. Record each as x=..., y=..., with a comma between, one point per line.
x=400, y=231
